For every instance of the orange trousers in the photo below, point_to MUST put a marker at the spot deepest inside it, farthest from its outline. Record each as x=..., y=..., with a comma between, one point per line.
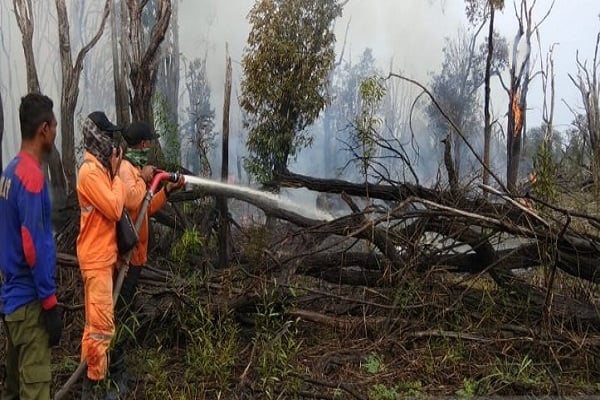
x=99, y=320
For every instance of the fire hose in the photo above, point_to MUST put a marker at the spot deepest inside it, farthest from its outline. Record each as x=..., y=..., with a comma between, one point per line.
x=160, y=176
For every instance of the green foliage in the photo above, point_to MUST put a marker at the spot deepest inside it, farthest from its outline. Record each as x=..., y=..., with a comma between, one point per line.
x=456, y=88
x=478, y=10
x=188, y=244
x=382, y=392
x=469, y=389
x=257, y=240
x=368, y=122
x=374, y=364
x=213, y=347
x=154, y=365
x=277, y=345
x=545, y=168
x=404, y=390
x=168, y=131
x=289, y=56
x=199, y=127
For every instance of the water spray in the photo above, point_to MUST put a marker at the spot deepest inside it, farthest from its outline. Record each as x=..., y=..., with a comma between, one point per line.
x=251, y=195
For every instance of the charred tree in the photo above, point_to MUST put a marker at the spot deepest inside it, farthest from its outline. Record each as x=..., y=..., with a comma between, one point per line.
x=520, y=77
x=71, y=74
x=119, y=62
x=144, y=55
x=224, y=234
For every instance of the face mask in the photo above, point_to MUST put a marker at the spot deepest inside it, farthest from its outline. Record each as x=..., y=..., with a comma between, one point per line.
x=139, y=157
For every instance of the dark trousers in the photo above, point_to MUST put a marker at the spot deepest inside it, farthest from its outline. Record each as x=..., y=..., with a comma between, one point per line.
x=125, y=319
x=28, y=373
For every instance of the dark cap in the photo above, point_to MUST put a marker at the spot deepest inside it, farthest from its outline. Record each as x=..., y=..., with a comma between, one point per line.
x=138, y=131
x=103, y=123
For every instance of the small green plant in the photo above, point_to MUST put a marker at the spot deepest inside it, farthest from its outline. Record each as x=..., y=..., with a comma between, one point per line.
x=212, y=348
x=411, y=389
x=277, y=346
x=506, y=373
x=382, y=392
x=153, y=364
x=188, y=244
x=469, y=389
x=374, y=364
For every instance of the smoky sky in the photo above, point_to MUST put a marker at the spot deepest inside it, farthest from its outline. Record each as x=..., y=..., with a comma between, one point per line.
x=407, y=34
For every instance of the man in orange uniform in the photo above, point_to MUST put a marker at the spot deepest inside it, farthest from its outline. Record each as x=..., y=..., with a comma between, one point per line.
x=101, y=196
x=136, y=175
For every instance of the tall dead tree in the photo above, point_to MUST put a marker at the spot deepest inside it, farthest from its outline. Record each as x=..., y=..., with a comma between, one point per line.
x=56, y=175
x=520, y=77
x=24, y=13
x=167, y=83
x=222, y=201
x=119, y=62
x=70, y=84
x=143, y=55
x=587, y=84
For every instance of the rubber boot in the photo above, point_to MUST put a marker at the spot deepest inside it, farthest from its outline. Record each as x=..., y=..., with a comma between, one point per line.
x=92, y=390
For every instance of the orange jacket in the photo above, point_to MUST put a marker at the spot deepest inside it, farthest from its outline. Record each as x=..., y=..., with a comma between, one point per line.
x=101, y=200
x=136, y=190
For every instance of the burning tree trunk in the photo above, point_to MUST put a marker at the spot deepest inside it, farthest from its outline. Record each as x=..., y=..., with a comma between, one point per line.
x=70, y=84
x=517, y=91
x=143, y=58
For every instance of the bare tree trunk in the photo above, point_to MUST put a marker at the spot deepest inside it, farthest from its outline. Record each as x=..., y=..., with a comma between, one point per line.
x=222, y=201
x=24, y=14
x=168, y=71
x=144, y=60
x=118, y=76
x=487, y=130
x=70, y=84
x=54, y=168
x=587, y=84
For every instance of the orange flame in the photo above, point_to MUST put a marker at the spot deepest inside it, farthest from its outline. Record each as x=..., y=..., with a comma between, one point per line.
x=517, y=113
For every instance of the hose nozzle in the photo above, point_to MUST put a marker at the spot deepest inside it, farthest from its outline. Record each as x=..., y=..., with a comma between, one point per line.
x=163, y=176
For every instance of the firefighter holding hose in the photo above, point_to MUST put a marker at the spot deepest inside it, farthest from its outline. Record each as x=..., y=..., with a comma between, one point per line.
x=136, y=175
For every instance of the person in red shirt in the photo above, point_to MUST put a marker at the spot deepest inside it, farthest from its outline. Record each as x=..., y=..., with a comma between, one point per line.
x=28, y=303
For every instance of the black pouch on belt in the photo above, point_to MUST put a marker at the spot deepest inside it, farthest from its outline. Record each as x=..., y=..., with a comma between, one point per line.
x=127, y=237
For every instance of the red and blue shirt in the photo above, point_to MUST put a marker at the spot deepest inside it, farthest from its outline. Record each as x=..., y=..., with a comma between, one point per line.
x=27, y=251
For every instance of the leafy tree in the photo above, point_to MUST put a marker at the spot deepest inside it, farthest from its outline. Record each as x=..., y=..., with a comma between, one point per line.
x=368, y=122
x=340, y=115
x=533, y=145
x=478, y=10
x=200, y=119
x=168, y=131
x=289, y=56
x=456, y=88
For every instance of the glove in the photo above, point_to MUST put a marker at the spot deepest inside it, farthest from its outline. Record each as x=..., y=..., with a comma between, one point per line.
x=52, y=320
